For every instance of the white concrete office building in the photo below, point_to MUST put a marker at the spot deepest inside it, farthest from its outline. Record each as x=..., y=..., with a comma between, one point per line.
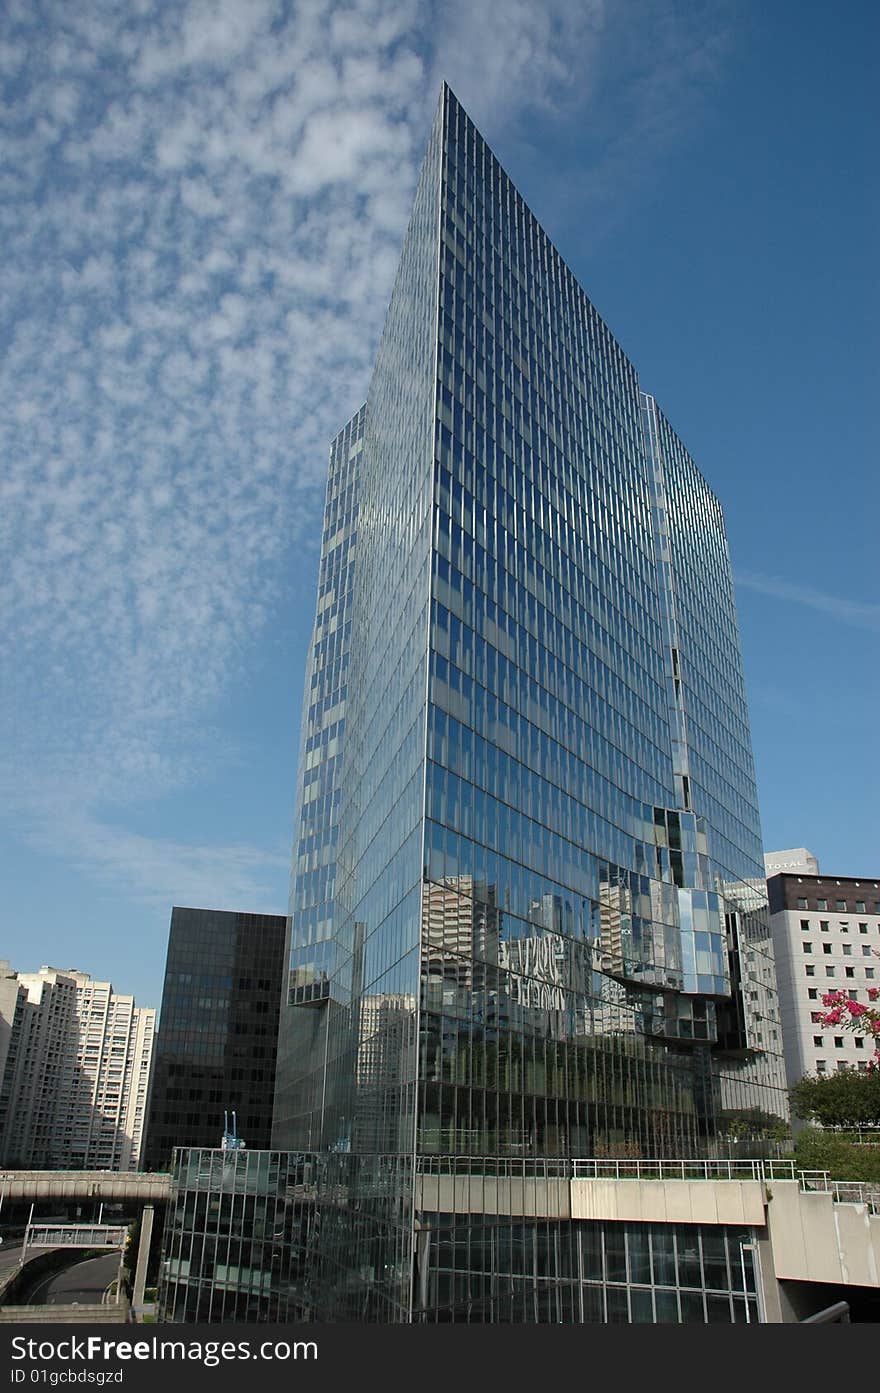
x=795, y=861
x=826, y=937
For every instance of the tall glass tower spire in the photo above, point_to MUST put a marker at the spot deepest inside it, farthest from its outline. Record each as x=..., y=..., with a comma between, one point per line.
x=528, y=916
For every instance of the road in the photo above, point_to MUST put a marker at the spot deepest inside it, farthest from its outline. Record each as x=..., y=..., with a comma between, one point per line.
x=10, y=1256
x=84, y=1283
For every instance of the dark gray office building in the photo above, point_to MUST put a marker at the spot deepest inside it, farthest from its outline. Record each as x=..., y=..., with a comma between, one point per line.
x=528, y=919
x=217, y=1038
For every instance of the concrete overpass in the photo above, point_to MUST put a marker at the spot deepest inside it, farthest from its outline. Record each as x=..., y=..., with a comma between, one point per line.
x=113, y=1187
x=141, y=1189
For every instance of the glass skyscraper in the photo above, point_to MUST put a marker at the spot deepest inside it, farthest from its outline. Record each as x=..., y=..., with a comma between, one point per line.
x=528, y=916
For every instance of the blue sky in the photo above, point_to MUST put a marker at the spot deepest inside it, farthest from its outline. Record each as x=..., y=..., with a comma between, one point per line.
x=201, y=208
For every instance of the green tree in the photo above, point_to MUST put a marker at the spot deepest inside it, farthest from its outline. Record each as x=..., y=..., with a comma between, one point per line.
x=816, y=1150
x=844, y=1099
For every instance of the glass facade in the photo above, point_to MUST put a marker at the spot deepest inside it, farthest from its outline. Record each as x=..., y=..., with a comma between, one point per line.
x=302, y=1040
x=538, y=1271
x=237, y=1235
x=545, y=931
x=244, y=1234
x=216, y=1047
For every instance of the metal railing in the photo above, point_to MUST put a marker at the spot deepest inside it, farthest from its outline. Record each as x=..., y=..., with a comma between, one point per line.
x=204, y=1169
x=857, y=1192
x=688, y=1168
x=626, y=1168
x=842, y=1191
x=74, y=1236
x=603, y=1168
x=497, y=1167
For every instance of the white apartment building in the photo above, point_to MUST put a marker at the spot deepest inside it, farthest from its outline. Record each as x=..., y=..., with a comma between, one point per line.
x=826, y=937
x=74, y=1091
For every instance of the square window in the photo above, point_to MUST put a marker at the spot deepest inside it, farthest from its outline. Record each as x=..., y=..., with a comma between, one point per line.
x=860, y=907
x=840, y=906
x=821, y=904
x=829, y=972
x=818, y=1041
x=847, y=950
x=807, y=947
x=820, y=1066
x=844, y=928
x=860, y=1042
x=813, y=993
x=816, y=1018
x=802, y=904
x=826, y=947
x=805, y=925
x=838, y=1042
x=869, y=972
x=866, y=950
x=823, y=926
x=810, y=970
x=863, y=928
x=850, y=971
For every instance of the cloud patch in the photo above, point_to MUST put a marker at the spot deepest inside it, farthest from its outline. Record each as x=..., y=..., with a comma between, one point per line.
x=201, y=209
x=857, y=612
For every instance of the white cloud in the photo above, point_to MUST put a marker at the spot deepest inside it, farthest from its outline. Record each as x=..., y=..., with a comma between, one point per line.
x=507, y=56
x=201, y=208
x=857, y=612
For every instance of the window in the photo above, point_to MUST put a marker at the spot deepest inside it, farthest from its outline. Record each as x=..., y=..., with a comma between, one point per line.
x=813, y=993
x=810, y=970
x=842, y=1066
x=866, y=951
x=826, y=947
x=860, y=1042
x=807, y=947
x=869, y=972
x=847, y=950
x=829, y=971
x=863, y=928
x=818, y=1041
x=821, y=904
x=820, y=1066
x=844, y=927
x=823, y=926
x=860, y=908
x=802, y=904
x=840, y=906
x=805, y=925
x=850, y=971
x=838, y=1042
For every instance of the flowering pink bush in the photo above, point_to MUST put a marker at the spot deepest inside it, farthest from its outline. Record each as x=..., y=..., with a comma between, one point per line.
x=855, y=1016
